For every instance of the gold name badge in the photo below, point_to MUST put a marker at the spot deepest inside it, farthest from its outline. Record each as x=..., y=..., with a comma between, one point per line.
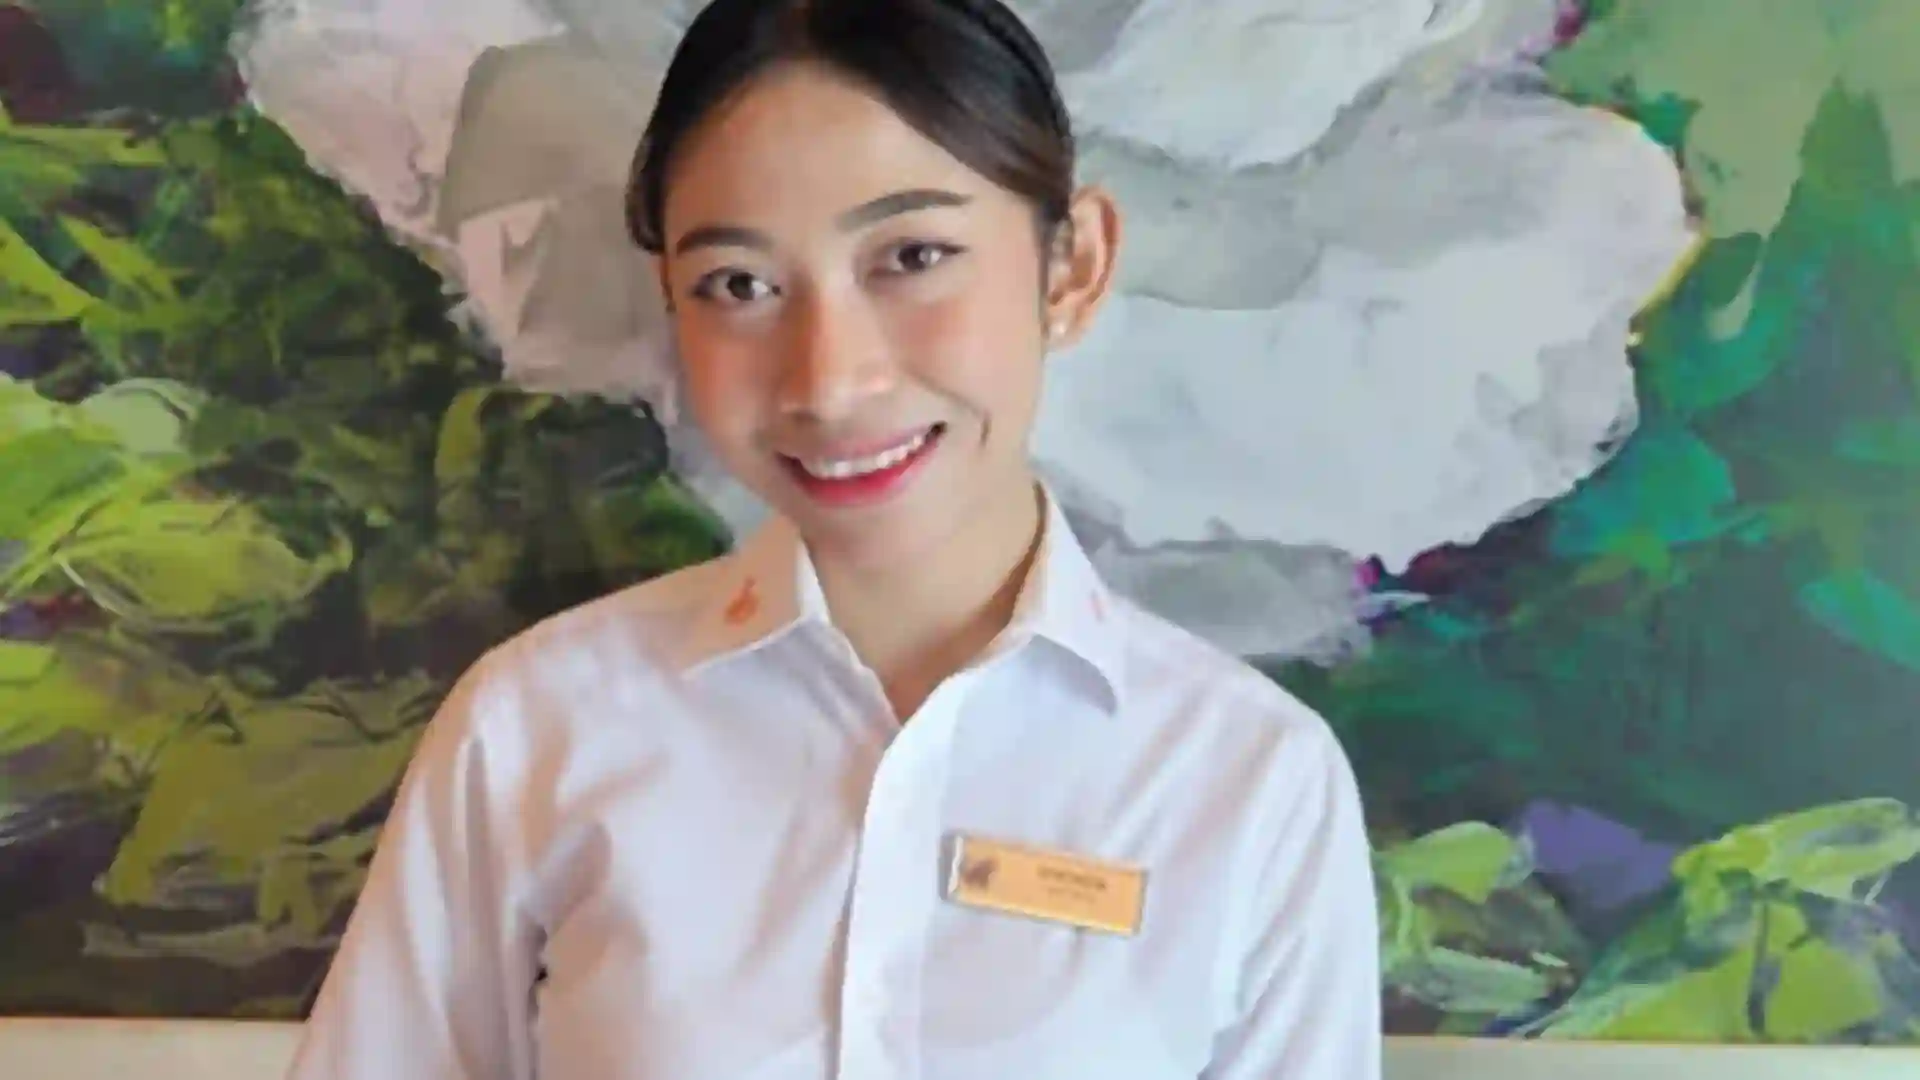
x=1048, y=885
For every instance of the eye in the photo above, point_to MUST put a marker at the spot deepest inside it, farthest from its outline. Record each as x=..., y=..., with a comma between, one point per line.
x=732, y=287
x=917, y=257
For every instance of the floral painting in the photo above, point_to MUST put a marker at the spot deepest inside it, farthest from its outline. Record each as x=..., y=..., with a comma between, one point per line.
x=1531, y=386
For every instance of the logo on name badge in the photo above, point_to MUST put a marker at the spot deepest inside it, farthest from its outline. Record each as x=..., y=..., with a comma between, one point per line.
x=1051, y=886
x=978, y=874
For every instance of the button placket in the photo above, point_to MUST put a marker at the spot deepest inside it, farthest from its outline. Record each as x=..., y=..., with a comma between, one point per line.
x=894, y=896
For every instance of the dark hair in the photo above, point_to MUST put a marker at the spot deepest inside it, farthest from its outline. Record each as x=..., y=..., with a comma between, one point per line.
x=967, y=74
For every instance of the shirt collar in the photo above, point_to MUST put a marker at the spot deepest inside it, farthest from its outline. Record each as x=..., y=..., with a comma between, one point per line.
x=767, y=588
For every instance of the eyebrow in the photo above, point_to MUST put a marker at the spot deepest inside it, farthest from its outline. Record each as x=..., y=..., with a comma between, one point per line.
x=867, y=213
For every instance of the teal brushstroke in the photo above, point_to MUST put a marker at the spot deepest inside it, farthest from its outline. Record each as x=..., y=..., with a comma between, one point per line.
x=1862, y=608
x=1667, y=486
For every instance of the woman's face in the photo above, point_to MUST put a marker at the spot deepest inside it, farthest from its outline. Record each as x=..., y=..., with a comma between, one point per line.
x=861, y=318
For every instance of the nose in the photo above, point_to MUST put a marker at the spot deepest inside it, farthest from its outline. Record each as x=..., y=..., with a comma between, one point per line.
x=836, y=359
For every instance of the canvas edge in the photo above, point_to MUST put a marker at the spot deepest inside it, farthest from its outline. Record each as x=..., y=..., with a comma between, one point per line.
x=51, y=1049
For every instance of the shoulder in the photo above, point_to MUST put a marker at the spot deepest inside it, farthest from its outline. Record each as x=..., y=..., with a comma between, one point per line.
x=1254, y=733
x=1179, y=671
x=614, y=649
x=636, y=623
x=1276, y=783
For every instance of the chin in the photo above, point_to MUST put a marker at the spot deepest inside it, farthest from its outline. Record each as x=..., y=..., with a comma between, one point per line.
x=909, y=528
x=873, y=536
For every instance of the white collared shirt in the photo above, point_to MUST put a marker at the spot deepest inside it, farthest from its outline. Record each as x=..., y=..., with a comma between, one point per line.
x=676, y=834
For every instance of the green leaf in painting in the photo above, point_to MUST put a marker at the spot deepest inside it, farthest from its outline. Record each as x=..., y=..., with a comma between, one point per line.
x=650, y=530
x=1692, y=363
x=85, y=491
x=1464, y=931
x=31, y=292
x=1462, y=983
x=1822, y=992
x=140, y=417
x=373, y=474
x=236, y=946
x=1751, y=103
x=122, y=695
x=1832, y=851
x=41, y=701
x=60, y=465
x=148, y=287
x=304, y=887
x=40, y=165
x=1775, y=921
x=48, y=482
x=85, y=147
x=1410, y=683
x=183, y=562
x=412, y=584
x=23, y=409
x=298, y=894
x=1707, y=1004
x=285, y=771
x=144, y=417
x=1883, y=442
x=462, y=445
x=1868, y=612
x=467, y=451
x=1406, y=930
x=1469, y=859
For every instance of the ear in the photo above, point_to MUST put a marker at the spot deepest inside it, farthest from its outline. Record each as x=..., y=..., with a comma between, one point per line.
x=1081, y=263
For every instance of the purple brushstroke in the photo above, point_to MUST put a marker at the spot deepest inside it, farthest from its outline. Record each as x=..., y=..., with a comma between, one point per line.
x=35, y=355
x=1598, y=863
x=36, y=84
x=42, y=619
x=22, y=623
x=16, y=361
x=1900, y=900
x=1569, y=20
x=1905, y=923
x=1367, y=574
x=53, y=850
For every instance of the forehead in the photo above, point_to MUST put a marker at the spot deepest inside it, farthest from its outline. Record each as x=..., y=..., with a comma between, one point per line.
x=799, y=141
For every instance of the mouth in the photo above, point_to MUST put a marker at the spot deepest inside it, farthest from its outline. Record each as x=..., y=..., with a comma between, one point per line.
x=865, y=477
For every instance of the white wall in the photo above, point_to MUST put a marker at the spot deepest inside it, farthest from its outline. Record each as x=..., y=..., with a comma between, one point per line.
x=178, y=1050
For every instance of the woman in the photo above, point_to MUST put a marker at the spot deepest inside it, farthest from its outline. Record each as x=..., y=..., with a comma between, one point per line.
x=898, y=788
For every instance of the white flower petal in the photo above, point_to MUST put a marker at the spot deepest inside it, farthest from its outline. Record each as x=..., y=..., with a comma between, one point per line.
x=540, y=119
x=1076, y=33
x=1454, y=356
x=1249, y=82
x=370, y=91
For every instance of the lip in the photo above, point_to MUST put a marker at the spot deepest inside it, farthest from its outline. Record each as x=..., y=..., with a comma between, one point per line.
x=868, y=489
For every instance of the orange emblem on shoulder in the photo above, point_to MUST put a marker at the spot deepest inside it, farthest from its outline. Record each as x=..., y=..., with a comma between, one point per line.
x=744, y=605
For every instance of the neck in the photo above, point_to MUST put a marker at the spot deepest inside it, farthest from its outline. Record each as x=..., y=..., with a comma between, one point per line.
x=914, y=626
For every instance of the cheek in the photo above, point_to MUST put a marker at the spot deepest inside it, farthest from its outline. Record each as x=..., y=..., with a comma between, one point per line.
x=723, y=382
x=981, y=344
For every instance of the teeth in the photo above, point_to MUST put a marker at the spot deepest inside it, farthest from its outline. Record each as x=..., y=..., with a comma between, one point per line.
x=847, y=468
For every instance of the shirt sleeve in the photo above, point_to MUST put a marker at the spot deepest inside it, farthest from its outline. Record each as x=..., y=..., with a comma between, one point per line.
x=1309, y=985
x=433, y=979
